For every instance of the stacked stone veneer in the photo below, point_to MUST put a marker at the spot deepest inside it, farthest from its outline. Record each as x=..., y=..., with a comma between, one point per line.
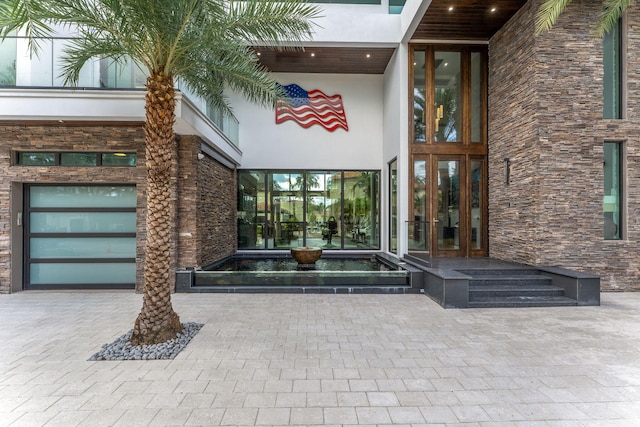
x=205, y=190
x=545, y=116
x=207, y=207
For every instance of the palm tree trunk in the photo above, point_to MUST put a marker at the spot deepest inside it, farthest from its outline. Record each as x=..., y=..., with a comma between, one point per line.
x=157, y=322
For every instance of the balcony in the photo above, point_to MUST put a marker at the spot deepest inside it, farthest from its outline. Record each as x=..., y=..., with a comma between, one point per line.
x=20, y=71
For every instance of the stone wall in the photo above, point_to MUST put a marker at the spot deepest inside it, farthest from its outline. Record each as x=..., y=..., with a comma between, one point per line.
x=65, y=137
x=545, y=115
x=206, y=207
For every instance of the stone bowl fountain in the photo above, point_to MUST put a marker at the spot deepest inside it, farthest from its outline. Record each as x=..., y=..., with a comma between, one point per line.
x=306, y=256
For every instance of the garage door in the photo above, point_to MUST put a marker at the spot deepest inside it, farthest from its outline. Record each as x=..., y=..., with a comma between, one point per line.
x=80, y=237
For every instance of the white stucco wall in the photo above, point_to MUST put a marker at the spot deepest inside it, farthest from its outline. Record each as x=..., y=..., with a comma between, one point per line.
x=266, y=145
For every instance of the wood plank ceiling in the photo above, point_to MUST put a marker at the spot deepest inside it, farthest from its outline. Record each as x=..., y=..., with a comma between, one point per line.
x=468, y=20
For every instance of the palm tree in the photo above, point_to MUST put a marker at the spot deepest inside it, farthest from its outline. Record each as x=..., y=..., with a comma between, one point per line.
x=550, y=10
x=204, y=44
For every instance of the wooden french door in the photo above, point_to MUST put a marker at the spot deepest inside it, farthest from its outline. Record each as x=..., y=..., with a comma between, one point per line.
x=449, y=205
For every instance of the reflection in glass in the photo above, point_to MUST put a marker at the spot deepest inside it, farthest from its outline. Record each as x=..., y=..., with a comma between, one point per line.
x=78, y=159
x=118, y=159
x=297, y=208
x=476, y=97
x=36, y=159
x=611, y=57
x=393, y=206
x=448, y=204
x=251, y=209
x=418, y=228
x=447, y=95
x=361, y=209
x=612, y=191
x=477, y=196
x=419, y=97
x=82, y=222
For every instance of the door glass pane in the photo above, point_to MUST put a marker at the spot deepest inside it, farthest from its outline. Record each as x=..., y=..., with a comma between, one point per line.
x=477, y=201
x=448, y=205
x=418, y=230
x=476, y=97
x=419, y=96
x=83, y=247
x=393, y=207
x=81, y=196
x=447, y=95
x=82, y=273
x=321, y=207
x=286, y=214
x=251, y=210
x=361, y=209
x=83, y=222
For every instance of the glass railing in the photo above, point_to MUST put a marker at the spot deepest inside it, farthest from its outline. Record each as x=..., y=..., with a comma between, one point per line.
x=19, y=69
x=418, y=236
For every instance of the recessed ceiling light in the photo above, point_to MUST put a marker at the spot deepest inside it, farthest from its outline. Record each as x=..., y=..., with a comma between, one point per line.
x=446, y=64
x=368, y=55
x=313, y=54
x=450, y=8
x=493, y=9
x=258, y=53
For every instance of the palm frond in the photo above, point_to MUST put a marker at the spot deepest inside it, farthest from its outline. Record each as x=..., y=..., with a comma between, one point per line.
x=271, y=22
x=611, y=13
x=548, y=14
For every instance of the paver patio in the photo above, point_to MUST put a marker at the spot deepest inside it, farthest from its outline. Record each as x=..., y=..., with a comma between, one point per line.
x=283, y=359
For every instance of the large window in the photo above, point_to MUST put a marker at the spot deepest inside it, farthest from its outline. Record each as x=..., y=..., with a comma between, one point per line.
x=80, y=236
x=612, y=203
x=329, y=209
x=449, y=95
x=612, y=81
x=393, y=206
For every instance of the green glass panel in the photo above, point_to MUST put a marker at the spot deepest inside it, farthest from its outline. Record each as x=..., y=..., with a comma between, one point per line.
x=118, y=159
x=477, y=201
x=611, y=56
x=37, y=159
x=78, y=159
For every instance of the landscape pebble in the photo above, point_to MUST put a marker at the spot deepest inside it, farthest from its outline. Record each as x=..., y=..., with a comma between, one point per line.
x=121, y=349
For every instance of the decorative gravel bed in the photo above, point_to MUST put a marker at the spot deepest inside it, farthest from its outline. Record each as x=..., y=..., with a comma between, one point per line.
x=121, y=349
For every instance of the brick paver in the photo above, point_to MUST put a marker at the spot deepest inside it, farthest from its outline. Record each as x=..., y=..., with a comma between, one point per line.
x=279, y=360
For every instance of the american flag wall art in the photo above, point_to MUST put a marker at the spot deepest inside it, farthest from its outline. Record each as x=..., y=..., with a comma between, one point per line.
x=308, y=108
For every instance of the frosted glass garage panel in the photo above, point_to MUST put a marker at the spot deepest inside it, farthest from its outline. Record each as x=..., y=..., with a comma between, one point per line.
x=82, y=273
x=83, y=222
x=83, y=247
x=83, y=196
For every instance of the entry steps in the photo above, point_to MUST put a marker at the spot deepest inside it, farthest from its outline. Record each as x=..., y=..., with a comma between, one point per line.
x=514, y=288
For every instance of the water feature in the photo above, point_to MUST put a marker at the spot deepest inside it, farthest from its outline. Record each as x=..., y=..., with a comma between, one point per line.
x=279, y=273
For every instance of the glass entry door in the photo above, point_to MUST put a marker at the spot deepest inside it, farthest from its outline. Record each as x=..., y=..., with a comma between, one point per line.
x=449, y=206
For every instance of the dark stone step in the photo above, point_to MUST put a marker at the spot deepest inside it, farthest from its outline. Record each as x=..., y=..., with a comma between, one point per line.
x=515, y=272
x=509, y=280
x=515, y=302
x=293, y=289
x=515, y=291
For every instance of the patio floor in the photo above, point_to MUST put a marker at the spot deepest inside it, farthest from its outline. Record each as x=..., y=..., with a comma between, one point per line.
x=291, y=359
